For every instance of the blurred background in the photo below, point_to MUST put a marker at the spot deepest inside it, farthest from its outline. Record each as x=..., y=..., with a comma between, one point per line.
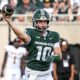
x=64, y=18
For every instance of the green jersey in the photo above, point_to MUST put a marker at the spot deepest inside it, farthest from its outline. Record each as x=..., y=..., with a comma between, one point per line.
x=40, y=48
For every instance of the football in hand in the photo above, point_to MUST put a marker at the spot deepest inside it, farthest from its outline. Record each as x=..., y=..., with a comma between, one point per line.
x=8, y=10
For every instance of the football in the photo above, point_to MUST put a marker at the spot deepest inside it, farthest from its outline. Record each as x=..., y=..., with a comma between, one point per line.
x=8, y=10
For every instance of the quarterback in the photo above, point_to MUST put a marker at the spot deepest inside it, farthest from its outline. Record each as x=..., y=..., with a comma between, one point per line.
x=40, y=44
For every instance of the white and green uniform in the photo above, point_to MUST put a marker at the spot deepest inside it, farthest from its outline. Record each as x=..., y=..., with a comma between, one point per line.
x=39, y=49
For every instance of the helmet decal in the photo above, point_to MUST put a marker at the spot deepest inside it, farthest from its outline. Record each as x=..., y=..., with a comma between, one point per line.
x=43, y=15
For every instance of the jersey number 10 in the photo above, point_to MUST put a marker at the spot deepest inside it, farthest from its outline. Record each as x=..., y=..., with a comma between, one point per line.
x=43, y=52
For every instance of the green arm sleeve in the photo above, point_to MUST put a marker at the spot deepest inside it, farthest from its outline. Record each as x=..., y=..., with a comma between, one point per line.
x=53, y=58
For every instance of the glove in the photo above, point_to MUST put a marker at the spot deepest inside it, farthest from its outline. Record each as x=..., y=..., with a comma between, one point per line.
x=49, y=59
x=53, y=58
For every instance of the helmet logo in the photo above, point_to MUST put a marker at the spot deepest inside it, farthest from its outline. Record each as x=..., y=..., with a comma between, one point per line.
x=42, y=12
x=42, y=15
x=43, y=18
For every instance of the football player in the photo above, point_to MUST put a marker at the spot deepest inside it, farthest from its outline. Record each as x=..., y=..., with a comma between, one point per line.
x=11, y=68
x=40, y=44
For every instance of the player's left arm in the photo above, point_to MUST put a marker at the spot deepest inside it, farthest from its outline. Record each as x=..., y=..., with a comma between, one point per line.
x=56, y=47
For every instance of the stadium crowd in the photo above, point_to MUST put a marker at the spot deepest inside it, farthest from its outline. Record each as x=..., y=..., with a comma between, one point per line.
x=59, y=10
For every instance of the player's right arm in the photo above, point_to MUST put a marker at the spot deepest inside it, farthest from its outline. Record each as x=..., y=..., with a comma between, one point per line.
x=23, y=36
